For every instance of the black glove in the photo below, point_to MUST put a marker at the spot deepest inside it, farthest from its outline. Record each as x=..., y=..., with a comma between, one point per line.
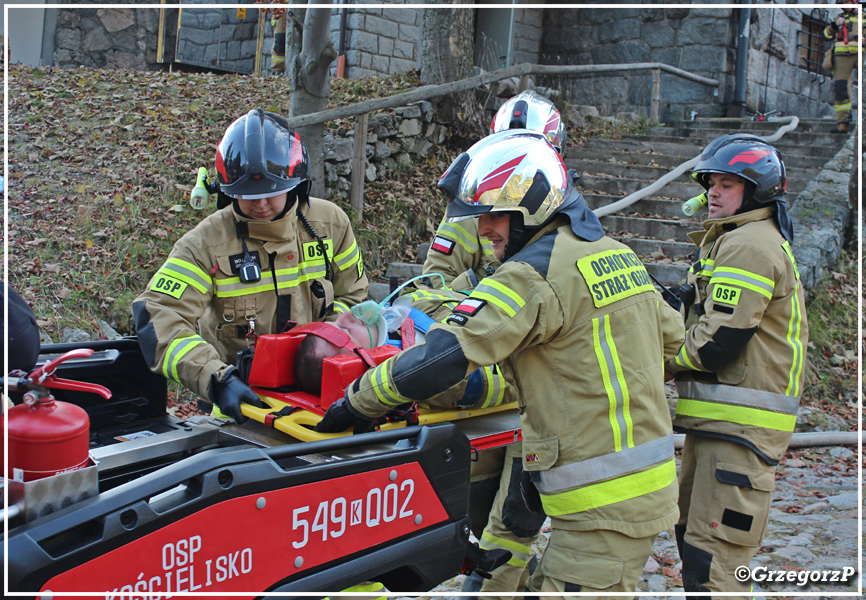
x=228, y=393
x=340, y=416
x=529, y=493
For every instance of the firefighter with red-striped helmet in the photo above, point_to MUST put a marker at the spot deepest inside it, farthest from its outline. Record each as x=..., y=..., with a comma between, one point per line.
x=457, y=251
x=587, y=334
x=270, y=257
x=740, y=371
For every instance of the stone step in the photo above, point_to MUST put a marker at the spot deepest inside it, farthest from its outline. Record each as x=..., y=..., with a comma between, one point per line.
x=649, y=227
x=823, y=150
x=619, y=186
x=649, y=249
x=790, y=140
x=679, y=188
x=662, y=207
x=817, y=125
x=668, y=273
x=633, y=154
x=402, y=270
x=618, y=169
x=379, y=291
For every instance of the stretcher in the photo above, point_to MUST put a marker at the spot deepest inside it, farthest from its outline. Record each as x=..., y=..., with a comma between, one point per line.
x=284, y=408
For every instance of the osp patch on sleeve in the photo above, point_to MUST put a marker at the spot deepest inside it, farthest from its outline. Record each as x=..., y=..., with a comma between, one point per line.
x=726, y=294
x=443, y=245
x=468, y=308
x=168, y=285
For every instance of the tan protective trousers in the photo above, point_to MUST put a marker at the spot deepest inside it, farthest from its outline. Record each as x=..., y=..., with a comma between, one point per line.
x=510, y=526
x=596, y=562
x=843, y=69
x=725, y=493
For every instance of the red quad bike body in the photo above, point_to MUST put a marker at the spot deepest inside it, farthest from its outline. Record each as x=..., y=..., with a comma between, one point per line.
x=167, y=506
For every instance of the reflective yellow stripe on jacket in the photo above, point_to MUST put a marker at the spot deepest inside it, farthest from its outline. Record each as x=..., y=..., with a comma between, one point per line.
x=176, y=350
x=737, y=405
x=499, y=295
x=744, y=279
x=456, y=232
x=495, y=387
x=609, y=492
x=188, y=273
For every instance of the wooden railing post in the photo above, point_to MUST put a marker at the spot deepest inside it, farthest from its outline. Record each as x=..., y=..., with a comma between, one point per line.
x=359, y=166
x=654, y=102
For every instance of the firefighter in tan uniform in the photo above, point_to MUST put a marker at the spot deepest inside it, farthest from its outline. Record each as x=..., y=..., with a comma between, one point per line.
x=587, y=334
x=269, y=258
x=845, y=31
x=740, y=371
x=499, y=517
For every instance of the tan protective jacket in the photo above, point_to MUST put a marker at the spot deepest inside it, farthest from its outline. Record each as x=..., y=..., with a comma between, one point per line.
x=588, y=336
x=850, y=31
x=740, y=371
x=196, y=313
x=457, y=250
x=488, y=386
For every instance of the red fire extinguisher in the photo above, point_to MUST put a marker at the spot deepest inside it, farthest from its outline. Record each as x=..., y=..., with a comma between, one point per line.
x=48, y=437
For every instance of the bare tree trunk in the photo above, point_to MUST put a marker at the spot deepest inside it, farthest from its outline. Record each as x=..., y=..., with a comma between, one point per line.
x=447, y=47
x=310, y=82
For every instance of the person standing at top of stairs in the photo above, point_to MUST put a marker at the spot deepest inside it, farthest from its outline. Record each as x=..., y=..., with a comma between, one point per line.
x=845, y=31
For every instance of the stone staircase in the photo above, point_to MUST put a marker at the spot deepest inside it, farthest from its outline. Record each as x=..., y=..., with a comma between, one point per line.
x=655, y=227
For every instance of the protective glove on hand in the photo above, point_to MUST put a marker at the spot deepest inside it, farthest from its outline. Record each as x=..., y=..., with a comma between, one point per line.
x=228, y=393
x=340, y=416
x=529, y=493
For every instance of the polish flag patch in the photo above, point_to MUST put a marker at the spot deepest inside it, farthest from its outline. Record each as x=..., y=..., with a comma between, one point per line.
x=443, y=245
x=469, y=307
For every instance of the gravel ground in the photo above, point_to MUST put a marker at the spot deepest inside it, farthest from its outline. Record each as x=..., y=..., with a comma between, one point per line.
x=813, y=526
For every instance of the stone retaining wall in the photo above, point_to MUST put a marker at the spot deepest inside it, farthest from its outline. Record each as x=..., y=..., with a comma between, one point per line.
x=394, y=138
x=822, y=215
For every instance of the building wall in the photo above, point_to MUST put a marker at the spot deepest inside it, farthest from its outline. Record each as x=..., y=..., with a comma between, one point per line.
x=379, y=41
x=383, y=41
x=217, y=37
x=699, y=40
x=114, y=38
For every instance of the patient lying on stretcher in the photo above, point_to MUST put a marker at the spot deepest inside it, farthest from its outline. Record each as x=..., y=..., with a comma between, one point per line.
x=484, y=388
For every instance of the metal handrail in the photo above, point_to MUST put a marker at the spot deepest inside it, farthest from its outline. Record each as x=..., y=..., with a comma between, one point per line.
x=524, y=69
x=682, y=168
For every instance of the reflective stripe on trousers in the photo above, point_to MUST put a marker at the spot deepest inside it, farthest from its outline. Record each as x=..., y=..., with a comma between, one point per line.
x=738, y=405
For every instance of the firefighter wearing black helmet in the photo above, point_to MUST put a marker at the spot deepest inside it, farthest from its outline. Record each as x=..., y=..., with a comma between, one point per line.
x=740, y=371
x=270, y=257
x=587, y=334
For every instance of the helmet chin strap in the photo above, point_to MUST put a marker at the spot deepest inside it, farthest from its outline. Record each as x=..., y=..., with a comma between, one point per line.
x=518, y=235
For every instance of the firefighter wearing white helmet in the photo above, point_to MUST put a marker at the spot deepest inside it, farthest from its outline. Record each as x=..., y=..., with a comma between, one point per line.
x=457, y=250
x=271, y=257
x=587, y=334
x=740, y=371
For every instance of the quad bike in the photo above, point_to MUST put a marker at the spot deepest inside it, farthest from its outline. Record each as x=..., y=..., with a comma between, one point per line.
x=163, y=506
